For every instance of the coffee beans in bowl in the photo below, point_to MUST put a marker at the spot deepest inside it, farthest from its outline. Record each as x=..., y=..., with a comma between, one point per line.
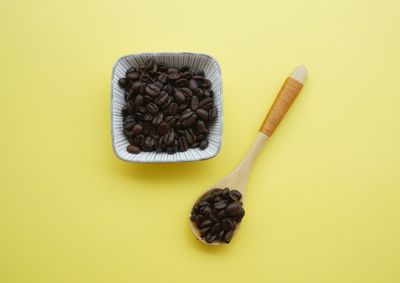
x=217, y=213
x=166, y=107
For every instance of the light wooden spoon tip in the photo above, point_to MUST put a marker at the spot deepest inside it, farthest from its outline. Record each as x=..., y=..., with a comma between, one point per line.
x=299, y=73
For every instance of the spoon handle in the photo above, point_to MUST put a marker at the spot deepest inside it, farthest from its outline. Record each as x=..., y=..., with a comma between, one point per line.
x=286, y=96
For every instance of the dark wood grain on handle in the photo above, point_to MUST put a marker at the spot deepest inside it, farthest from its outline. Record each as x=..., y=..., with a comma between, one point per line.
x=286, y=96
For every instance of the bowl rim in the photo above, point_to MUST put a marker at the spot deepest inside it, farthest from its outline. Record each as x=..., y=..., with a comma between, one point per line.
x=160, y=53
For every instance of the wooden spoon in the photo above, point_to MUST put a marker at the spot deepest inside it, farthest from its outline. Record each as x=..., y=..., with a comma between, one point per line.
x=237, y=179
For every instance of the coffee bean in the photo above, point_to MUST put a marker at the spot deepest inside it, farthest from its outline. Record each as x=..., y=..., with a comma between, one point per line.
x=207, y=211
x=158, y=119
x=172, y=70
x=221, y=236
x=204, y=231
x=184, y=69
x=163, y=129
x=181, y=82
x=202, y=114
x=179, y=96
x=137, y=129
x=139, y=100
x=212, y=113
x=173, y=76
x=194, y=103
x=152, y=108
x=189, y=121
x=216, y=228
x=193, y=85
x=124, y=83
x=152, y=90
x=206, y=103
x=237, y=194
x=210, y=238
x=220, y=205
x=199, y=219
x=203, y=144
x=133, y=76
x=187, y=92
x=186, y=75
x=228, y=237
x=131, y=70
x=133, y=149
x=206, y=223
x=227, y=224
x=233, y=208
x=203, y=203
x=139, y=140
x=172, y=109
x=182, y=144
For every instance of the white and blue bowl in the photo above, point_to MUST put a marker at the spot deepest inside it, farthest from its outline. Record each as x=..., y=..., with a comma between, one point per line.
x=197, y=62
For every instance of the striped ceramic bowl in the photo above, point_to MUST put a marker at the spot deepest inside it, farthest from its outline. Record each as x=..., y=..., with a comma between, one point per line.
x=197, y=62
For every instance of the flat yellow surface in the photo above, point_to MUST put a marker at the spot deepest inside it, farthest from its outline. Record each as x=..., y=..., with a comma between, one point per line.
x=323, y=200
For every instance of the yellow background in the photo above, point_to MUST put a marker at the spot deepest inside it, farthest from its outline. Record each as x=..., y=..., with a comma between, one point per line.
x=323, y=198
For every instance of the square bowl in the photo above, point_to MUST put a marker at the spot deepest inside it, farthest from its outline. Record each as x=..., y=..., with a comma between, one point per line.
x=196, y=62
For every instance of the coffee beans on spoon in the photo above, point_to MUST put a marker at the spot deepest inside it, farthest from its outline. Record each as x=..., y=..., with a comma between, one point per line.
x=167, y=109
x=217, y=213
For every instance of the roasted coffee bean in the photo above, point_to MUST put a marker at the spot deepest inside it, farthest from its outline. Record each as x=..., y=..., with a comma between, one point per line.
x=203, y=144
x=152, y=90
x=237, y=194
x=210, y=238
x=172, y=109
x=227, y=224
x=221, y=214
x=179, y=96
x=204, y=231
x=199, y=219
x=158, y=119
x=239, y=215
x=138, y=100
x=190, y=137
x=216, y=228
x=221, y=236
x=162, y=67
x=173, y=76
x=124, y=83
x=162, y=129
x=137, y=129
x=190, y=120
x=133, y=149
x=187, y=92
x=194, y=103
x=172, y=70
x=184, y=69
x=193, y=85
x=206, y=223
x=200, y=126
x=133, y=76
x=186, y=75
x=182, y=144
x=228, y=237
x=181, y=82
x=220, y=205
x=139, y=140
x=206, y=103
x=169, y=104
x=152, y=108
x=131, y=70
x=170, y=120
x=233, y=208
x=212, y=113
x=202, y=114
x=206, y=211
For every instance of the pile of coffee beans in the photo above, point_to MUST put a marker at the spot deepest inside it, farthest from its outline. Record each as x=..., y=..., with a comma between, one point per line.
x=217, y=213
x=167, y=109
